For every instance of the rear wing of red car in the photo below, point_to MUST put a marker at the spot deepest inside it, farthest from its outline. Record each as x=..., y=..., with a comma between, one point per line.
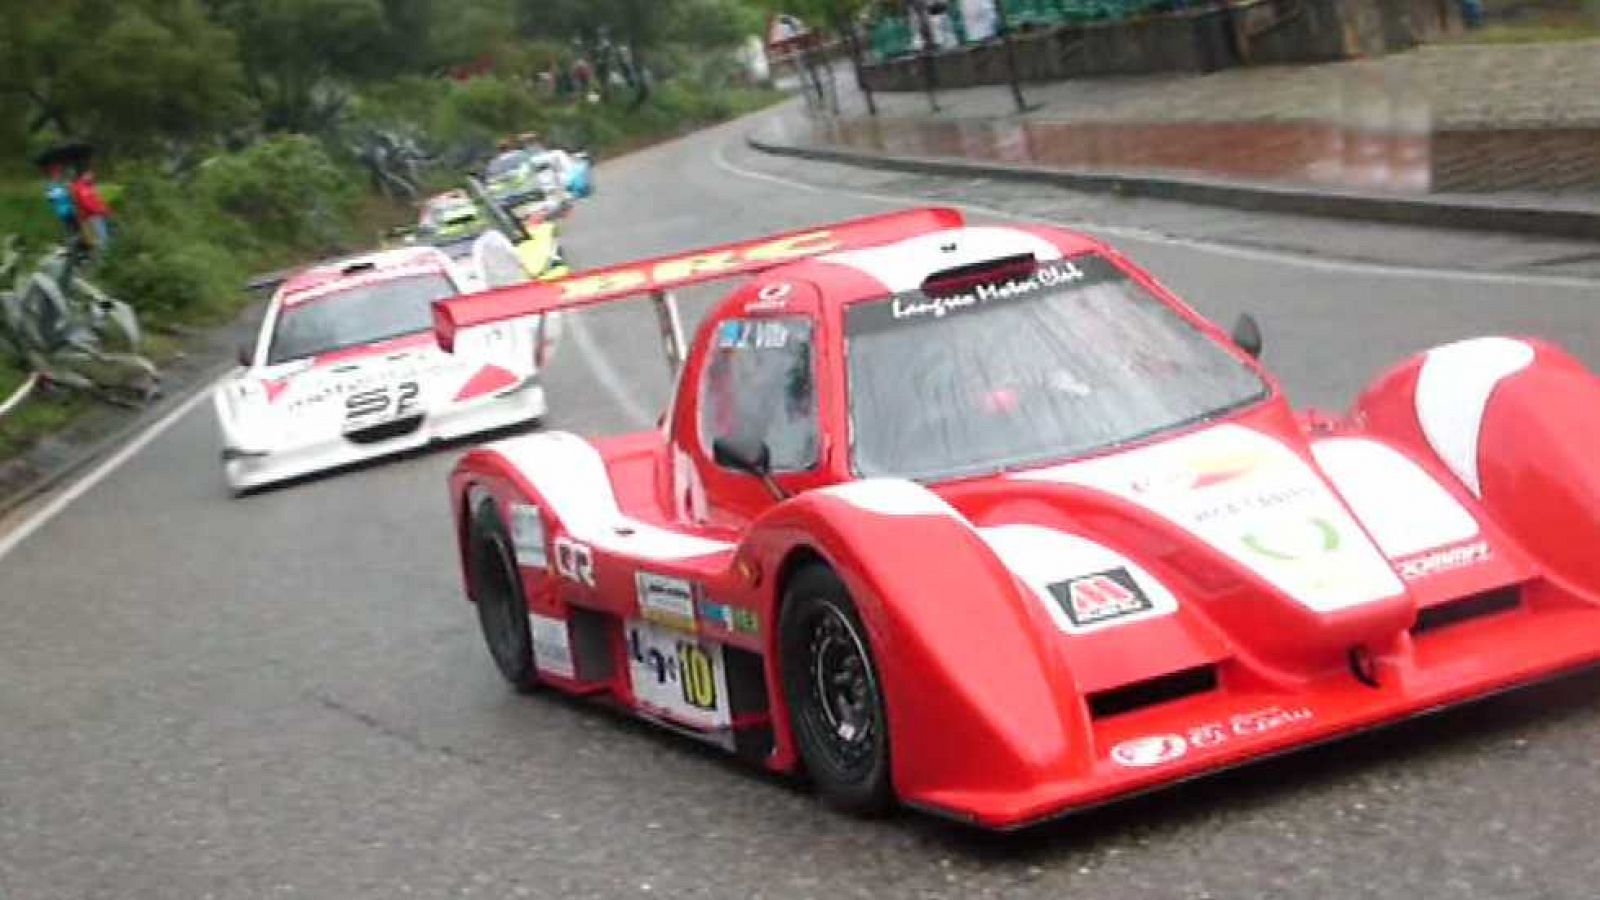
x=658, y=276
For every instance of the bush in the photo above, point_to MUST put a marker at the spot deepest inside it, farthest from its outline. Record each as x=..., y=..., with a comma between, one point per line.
x=173, y=257
x=285, y=191
x=488, y=107
x=23, y=212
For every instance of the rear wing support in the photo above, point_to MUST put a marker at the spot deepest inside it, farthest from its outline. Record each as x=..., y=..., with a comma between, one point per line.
x=671, y=323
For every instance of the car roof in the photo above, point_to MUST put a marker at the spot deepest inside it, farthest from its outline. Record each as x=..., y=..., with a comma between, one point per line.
x=384, y=265
x=879, y=270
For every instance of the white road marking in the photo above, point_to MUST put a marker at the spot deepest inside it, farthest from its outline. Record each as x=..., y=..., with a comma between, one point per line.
x=1256, y=254
x=78, y=488
x=611, y=381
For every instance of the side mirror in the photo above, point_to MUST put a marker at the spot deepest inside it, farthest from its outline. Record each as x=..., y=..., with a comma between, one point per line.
x=748, y=455
x=1247, y=335
x=246, y=354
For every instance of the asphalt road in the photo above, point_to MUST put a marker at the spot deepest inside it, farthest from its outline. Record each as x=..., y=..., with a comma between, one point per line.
x=286, y=696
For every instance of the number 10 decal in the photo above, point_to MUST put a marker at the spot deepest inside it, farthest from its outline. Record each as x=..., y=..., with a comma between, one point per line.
x=698, y=677
x=675, y=675
x=691, y=668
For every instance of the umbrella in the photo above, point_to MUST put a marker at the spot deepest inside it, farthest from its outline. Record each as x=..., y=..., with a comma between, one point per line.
x=74, y=154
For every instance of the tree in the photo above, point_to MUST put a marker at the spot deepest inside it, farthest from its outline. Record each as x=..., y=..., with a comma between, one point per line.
x=712, y=23
x=129, y=75
x=299, y=56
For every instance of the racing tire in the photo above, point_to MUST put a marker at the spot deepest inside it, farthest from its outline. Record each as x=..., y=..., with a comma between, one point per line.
x=834, y=694
x=495, y=586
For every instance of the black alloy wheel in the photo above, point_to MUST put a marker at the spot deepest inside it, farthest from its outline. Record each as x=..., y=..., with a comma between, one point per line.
x=835, y=697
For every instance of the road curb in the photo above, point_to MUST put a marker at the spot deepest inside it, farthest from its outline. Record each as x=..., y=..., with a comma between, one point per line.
x=81, y=458
x=1468, y=214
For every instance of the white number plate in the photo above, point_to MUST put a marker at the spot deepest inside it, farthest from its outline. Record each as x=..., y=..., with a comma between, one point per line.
x=678, y=677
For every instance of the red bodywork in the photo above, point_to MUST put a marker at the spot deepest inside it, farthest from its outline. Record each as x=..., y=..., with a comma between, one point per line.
x=997, y=714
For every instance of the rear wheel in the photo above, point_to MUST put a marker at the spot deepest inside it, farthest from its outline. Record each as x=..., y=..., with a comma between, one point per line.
x=835, y=697
x=496, y=589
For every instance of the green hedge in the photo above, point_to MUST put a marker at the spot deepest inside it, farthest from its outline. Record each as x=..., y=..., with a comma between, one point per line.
x=182, y=251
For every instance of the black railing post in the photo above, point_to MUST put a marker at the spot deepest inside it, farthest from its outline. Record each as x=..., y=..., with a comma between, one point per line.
x=930, y=75
x=1003, y=22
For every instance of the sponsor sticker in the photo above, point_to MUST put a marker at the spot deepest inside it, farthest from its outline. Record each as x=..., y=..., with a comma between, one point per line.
x=677, y=269
x=919, y=305
x=1252, y=498
x=1156, y=749
x=552, y=647
x=716, y=615
x=728, y=618
x=1101, y=597
x=574, y=561
x=1150, y=750
x=753, y=334
x=771, y=297
x=1201, y=472
x=666, y=600
x=1425, y=565
x=1313, y=537
x=527, y=535
x=745, y=621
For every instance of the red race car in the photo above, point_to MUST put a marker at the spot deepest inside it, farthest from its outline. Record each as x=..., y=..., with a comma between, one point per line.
x=986, y=520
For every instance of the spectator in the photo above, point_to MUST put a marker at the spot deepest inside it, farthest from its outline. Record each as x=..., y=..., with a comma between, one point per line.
x=59, y=195
x=582, y=76
x=94, y=215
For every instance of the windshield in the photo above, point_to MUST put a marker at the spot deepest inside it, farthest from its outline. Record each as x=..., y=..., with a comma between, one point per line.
x=506, y=163
x=358, y=316
x=453, y=213
x=1071, y=358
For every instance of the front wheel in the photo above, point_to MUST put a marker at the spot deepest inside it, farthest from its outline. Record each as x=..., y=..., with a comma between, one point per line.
x=835, y=697
x=496, y=589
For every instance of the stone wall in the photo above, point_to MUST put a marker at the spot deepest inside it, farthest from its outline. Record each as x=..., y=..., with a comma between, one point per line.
x=1200, y=40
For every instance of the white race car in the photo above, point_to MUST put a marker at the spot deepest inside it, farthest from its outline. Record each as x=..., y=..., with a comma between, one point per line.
x=346, y=369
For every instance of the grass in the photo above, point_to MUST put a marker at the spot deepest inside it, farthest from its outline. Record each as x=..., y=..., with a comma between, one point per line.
x=44, y=412
x=24, y=213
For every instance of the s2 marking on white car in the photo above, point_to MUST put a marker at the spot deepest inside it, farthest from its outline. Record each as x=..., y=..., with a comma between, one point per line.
x=345, y=368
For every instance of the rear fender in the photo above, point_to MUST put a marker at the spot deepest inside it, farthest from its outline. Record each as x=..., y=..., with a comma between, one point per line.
x=1517, y=423
x=977, y=697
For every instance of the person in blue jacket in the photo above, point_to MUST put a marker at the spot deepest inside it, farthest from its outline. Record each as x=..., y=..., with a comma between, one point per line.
x=58, y=193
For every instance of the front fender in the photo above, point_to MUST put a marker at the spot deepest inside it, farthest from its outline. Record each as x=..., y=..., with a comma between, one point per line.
x=1517, y=422
x=979, y=701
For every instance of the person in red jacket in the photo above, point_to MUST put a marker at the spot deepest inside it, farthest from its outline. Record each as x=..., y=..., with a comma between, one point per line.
x=94, y=214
